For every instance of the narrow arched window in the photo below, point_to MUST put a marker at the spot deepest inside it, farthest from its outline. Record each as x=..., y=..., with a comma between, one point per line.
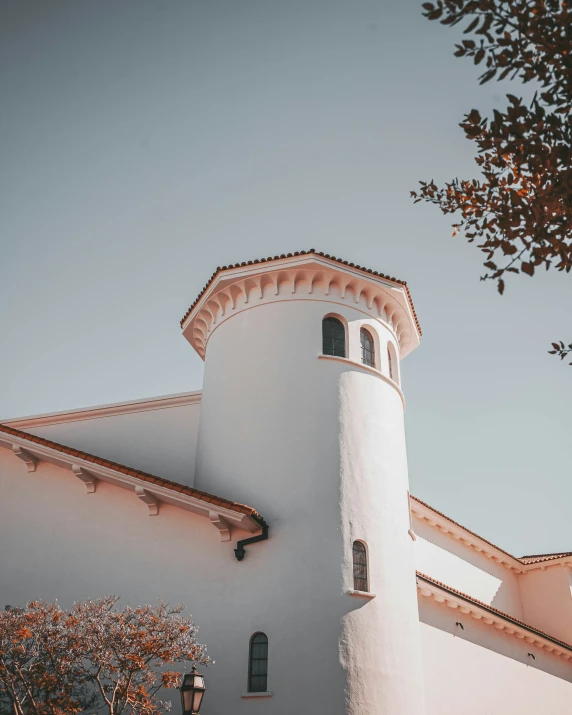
x=367, y=350
x=258, y=664
x=392, y=362
x=333, y=337
x=360, y=567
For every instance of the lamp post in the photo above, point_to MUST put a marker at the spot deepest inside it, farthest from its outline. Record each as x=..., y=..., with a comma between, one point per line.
x=192, y=692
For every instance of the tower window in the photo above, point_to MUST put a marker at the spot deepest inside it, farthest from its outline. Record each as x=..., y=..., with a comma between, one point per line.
x=367, y=349
x=333, y=337
x=392, y=362
x=360, y=566
x=258, y=664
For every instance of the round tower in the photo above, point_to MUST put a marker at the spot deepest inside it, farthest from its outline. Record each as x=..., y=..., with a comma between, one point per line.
x=302, y=418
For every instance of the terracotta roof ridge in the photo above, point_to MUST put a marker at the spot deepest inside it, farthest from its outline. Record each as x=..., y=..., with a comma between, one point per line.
x=473, y=533
x=137, y=473
x=541, y=558
x=492, y=609
x=311, y=251
x=524, y=560
x=546, y=556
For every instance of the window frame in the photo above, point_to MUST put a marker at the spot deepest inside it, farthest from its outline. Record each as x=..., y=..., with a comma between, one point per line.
x=251, y=661
x=344, y=326
x=365, y=565
x=366, y=333
x=392, y=363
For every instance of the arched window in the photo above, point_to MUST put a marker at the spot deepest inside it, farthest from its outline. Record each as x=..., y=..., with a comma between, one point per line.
x=258, y=664
x=360, y=567
x=392, y=362
x=333, y=337
x=367, y=350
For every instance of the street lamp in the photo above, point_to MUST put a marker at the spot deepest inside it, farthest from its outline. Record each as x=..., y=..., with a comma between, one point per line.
x=192, y=692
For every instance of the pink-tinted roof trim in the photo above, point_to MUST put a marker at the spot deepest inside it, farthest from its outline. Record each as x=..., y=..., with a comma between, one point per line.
x=312, y=251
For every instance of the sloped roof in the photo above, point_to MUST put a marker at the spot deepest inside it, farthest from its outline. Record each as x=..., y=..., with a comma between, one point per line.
x=138, y=474
x=525, y=560
x=217, y=501
x=492, y=609
x=539, y=558
x=440, y=513
x=313, y=251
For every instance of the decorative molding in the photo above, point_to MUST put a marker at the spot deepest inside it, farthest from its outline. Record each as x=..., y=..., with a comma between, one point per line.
x=304, y=277
x=118, y=408
x=25, y=456
x=490, y=617
x=147, y=498
x=369, y=369
x=457, y=532
x=362, y=594
x=120, y=477
x=220, y=523
x=86, y=477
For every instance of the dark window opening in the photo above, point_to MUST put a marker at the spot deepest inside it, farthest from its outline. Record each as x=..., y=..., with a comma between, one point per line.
x=367, y=350
x=258, y=664
x=360, y=567
x=333, y=337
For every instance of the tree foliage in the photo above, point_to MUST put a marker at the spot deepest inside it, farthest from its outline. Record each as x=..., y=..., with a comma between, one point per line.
x=520, y=211
x=92, y=657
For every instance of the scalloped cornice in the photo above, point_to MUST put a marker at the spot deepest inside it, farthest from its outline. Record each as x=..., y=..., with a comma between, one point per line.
x=307, y=276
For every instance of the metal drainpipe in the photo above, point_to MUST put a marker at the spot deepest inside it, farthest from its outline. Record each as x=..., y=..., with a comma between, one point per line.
x=239, y=551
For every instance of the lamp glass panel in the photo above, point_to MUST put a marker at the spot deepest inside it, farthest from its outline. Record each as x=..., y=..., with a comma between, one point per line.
x=188, y=700
x=198, y=700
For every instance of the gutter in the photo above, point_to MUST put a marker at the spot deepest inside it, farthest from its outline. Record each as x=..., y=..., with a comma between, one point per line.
x=239, y=552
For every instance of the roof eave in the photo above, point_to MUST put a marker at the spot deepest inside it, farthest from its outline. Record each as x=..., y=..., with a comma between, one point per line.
x=218, y=510
x=303, y=255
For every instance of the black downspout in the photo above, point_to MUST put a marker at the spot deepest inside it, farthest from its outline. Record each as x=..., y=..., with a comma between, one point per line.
x=239, y=551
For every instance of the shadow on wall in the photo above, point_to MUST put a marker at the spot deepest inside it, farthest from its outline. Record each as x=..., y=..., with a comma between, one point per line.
x=447, y=621
x=457, y=565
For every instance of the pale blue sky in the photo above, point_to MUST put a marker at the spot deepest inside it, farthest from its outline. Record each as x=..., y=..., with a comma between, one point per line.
x=145, y=142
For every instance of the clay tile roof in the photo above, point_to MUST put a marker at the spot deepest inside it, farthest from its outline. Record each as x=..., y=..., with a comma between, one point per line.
x=440, y=513
x=305, y=253
x=491, y=609
x=531, y=559
x=144, y=476
x=538, y=558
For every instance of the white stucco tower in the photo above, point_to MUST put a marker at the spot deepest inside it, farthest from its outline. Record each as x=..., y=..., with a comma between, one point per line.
x=316, y=443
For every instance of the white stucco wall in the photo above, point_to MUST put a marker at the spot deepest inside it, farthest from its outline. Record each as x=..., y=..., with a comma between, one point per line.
x=60, y=542
x=318, y=446
x=161, y=441
x=481, y=671
x=453, y=563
